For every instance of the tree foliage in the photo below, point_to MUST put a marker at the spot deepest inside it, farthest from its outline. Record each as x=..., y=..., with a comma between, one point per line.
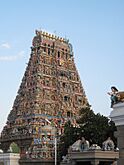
x=67, y=138
x=94, y=127
x=15, y=148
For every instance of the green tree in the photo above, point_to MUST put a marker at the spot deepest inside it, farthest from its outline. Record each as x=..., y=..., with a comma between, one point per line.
x=68, y=138
x=14, y=147
x=94, y=127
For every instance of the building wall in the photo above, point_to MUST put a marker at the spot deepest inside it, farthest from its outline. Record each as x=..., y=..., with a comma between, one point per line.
x=9, y=159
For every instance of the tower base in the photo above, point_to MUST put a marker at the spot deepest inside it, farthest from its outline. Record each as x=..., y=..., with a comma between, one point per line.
x=36, y=162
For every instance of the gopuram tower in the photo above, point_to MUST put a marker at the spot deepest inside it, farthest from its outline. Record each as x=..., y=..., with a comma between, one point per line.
x=50, y=94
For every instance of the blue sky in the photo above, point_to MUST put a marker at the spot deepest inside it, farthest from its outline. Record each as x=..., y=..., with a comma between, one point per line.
x=94, y=27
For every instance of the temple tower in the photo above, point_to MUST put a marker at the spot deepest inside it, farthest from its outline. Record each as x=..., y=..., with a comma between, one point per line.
x=50, y=94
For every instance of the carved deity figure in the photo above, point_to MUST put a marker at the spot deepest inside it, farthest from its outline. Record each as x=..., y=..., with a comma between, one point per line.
x=76, y=146
x=113, y=95
x=108, y=145
x=80, y=145
x=84, y=144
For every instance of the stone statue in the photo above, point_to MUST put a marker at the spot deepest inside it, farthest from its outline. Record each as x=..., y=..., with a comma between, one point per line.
x=95, y=147
x=108, y=145
x=76, y=146
x=84, y=144
x=116, y=96
x=80, y=145
x=113, y=95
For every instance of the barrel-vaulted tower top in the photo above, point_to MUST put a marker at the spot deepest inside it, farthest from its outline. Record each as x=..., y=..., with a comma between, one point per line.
x=50, y=36
x=43, y=37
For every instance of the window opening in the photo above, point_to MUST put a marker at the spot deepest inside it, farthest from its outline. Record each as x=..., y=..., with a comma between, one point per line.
x=58, y=54
x=68, y=114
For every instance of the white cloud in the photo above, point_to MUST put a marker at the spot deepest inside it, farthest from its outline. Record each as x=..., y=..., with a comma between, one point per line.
x=5, y=45
x=12, y=58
